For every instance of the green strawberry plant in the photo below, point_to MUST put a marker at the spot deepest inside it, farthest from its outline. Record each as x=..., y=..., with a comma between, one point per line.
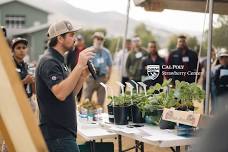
x=120, y=100
x=185, y=93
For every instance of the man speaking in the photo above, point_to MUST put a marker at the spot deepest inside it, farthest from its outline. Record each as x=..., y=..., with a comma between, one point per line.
x=56, y=88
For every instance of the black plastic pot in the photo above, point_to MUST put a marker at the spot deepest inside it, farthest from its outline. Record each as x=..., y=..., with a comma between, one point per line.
x=163, y=124
x=121, y=115
x=136, y=114
x=129, y=114
x=153, y=117
x=110, y=113
x=185, y=108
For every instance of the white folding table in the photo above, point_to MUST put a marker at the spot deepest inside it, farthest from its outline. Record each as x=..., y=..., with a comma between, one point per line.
x=151, y=135
x=92, y=132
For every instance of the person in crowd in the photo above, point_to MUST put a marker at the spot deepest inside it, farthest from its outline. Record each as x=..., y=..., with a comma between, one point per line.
x=5, y=34
x=4, y=31
x=56, y=88
x=103, y=65
x=20, y=50
x=72, y=57
x=182, y=62
x=151, y=69
x=134, y=60
x=121, y=61
x=203, y=66
x=220, y=81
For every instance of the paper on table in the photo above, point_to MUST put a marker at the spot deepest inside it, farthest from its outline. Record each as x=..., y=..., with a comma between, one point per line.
x=163, y=137
x=156, y=131
x=97, y=132
x=124, y=129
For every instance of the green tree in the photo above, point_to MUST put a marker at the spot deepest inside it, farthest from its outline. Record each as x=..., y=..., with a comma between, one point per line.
x=144, y=34
x=172, y=42
x=112, y=43
x=192, y=42
x=88, y=33
x=220, y=33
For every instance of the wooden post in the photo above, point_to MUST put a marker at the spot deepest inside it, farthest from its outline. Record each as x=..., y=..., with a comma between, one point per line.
x=17, y=121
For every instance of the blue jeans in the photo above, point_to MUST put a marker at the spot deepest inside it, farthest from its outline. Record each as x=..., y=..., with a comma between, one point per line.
x=67, y=144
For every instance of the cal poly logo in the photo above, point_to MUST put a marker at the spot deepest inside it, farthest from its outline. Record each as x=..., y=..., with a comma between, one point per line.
x=69, y=26
x=53, y=78
x=153, y=71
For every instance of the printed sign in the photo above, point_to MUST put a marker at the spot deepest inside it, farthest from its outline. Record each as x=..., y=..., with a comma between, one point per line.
x=183, y=117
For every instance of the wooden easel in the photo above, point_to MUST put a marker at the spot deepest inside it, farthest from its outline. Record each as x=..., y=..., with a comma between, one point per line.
x=17, y=121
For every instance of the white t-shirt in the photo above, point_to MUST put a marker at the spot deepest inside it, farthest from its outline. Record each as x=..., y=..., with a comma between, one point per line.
x=121, y=61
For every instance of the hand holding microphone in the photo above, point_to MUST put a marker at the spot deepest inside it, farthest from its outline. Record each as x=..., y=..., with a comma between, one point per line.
x=92, y=69
x=84, y=59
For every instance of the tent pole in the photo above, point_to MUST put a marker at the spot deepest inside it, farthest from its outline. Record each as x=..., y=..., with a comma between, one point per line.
x=209, y=48
x=126, y=25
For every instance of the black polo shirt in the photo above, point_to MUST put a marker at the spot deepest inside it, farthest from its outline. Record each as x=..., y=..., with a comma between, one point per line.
x=148, y=61
x=22, y=70
x=57, y=118
x=189, y=60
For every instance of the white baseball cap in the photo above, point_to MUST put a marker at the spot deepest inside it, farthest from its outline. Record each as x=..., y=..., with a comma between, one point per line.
x=61, y=27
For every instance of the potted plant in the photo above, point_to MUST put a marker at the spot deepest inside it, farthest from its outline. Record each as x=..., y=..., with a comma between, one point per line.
x=157, y=98
x=120, y=109
x=186, y=93
x=89, y=109
x=136, y=113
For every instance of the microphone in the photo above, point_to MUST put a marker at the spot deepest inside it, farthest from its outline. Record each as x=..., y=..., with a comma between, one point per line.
x=92, y=69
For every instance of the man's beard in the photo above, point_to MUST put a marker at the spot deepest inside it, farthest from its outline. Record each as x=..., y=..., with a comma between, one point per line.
x=68, y=48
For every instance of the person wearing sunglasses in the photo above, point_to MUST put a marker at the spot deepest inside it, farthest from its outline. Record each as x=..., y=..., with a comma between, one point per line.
x=103, y=65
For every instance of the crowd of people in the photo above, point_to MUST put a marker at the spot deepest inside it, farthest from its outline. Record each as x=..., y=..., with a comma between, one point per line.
x=62, y=71
x=146, y=65
x=181, y=64
x=134, y=62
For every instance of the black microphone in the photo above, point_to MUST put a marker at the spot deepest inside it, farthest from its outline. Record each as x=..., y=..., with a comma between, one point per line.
x=92, y=69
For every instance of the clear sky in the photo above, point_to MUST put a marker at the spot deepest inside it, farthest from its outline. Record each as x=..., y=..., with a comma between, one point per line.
x=180, y=20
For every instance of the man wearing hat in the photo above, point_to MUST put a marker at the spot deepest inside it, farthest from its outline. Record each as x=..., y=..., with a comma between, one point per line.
x=20, y=49
x=220, y=80
x=56, y=88
x=103, y=65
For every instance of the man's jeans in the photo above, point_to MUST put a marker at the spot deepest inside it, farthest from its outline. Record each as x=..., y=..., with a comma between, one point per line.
x=67, y=144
